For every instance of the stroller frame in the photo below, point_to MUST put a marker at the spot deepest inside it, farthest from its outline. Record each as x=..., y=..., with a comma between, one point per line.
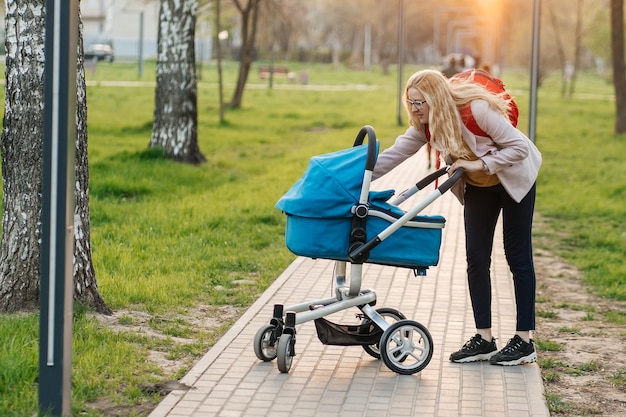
x=405, y=346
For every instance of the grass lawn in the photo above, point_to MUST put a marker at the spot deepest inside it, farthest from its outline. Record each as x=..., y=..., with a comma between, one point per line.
x=168, y=238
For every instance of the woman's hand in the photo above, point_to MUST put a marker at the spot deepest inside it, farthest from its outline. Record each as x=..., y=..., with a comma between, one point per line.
x=468, y=166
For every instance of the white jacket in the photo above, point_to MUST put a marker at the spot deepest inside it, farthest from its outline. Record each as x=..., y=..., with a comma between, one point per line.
x=507, y=152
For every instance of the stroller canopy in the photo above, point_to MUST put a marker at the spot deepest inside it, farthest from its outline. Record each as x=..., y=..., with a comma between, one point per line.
x=330, y=186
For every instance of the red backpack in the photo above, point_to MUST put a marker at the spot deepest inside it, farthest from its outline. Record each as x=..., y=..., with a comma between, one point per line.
x=492, y=84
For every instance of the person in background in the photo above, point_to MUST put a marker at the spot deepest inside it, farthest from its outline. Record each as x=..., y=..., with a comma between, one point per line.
x=500, y=171
x=452, y=67
x=485, y=67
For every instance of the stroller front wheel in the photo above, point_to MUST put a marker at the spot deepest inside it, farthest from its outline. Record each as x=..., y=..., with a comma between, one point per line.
x=285, y=352
x=265, y=343
x=406, y=347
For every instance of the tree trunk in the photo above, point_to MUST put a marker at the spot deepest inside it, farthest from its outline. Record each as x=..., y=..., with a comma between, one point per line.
x=22, y=133
x=249, y=18
x=85, y=285
x=619, y=67
x=561, y=50
x=218, y=47
x=175, y=128
x=577, y=46
x=22, y=168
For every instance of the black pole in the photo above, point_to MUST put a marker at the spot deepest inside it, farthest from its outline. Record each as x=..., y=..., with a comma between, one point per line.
x=55, y=340
x=140, y=53
x=534, y=72
x=270, y=80
x=400, y=59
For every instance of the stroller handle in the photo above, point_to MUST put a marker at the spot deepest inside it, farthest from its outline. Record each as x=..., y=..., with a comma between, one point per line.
x=371, y=145
x=451, y=181
x=406, y=194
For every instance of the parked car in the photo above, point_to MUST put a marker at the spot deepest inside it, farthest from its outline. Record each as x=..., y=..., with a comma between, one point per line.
x=99, y=52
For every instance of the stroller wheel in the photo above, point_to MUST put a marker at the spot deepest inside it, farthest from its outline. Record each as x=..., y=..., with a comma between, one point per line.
x=265, y=343
x=390, y=315
x=285, y=352
x=406, y=347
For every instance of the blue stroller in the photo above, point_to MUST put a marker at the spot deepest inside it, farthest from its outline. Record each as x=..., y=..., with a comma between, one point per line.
x=332, y=214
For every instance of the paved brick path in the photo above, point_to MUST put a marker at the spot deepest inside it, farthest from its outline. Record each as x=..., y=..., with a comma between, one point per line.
x=338, y=381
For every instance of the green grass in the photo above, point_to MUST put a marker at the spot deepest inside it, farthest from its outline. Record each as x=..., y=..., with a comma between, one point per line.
x=548, y=345
x=168, y=237
x=615, y=317
x=18, y=363
x=582, y=188
x=566, y=329
x=556, y=404
x=619, y=379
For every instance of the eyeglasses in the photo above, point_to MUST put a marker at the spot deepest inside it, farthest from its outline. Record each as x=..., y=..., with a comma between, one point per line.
x=416, y=103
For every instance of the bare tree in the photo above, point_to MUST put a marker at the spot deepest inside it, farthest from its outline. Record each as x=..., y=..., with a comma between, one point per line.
x=598, y=36
x=175, y=128
x=218, y=47
x=560, y=49
x=249, y=18
x=22, y=167
x=577, y=46
x=386, y=36
x=619, y=68
x=281, y=24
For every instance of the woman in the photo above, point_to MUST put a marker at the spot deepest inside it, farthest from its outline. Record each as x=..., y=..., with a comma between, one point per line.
x=500, y=173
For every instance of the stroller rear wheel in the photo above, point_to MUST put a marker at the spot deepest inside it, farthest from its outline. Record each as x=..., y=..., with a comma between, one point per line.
x=406, y=347
x=391, y=315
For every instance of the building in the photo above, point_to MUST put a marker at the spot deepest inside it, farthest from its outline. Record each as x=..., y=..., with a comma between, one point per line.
x=124, y=24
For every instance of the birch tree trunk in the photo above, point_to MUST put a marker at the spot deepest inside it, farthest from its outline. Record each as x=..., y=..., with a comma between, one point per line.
x=175, y=127
x=22, y=168
x=22, y=134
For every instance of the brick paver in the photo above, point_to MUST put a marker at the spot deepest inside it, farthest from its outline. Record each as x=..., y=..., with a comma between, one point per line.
x=345, y=381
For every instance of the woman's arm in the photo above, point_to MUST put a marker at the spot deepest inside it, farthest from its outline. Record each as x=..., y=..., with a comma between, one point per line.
x=507, y=146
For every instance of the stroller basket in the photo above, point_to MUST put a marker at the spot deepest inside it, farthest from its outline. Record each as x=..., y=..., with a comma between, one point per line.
x=320, y=216
x=330, y=333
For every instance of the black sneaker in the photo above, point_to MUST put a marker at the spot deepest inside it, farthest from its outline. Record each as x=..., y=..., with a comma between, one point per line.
x=516, y=352
x=476, y=349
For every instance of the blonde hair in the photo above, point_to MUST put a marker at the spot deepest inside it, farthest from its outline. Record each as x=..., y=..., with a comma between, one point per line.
x=445, y=98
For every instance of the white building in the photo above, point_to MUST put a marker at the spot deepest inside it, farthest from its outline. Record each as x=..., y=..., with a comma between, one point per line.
x=123, y=24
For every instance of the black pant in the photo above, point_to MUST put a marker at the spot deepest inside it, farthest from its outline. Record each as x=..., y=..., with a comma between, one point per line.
x=482, y=208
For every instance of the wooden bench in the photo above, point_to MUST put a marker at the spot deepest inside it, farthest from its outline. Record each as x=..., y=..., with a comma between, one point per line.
x=264, y=72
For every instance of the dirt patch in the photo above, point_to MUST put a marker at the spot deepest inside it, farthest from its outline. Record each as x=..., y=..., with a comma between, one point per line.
x=584, y=371
x=108, y=408
x=200, y=319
